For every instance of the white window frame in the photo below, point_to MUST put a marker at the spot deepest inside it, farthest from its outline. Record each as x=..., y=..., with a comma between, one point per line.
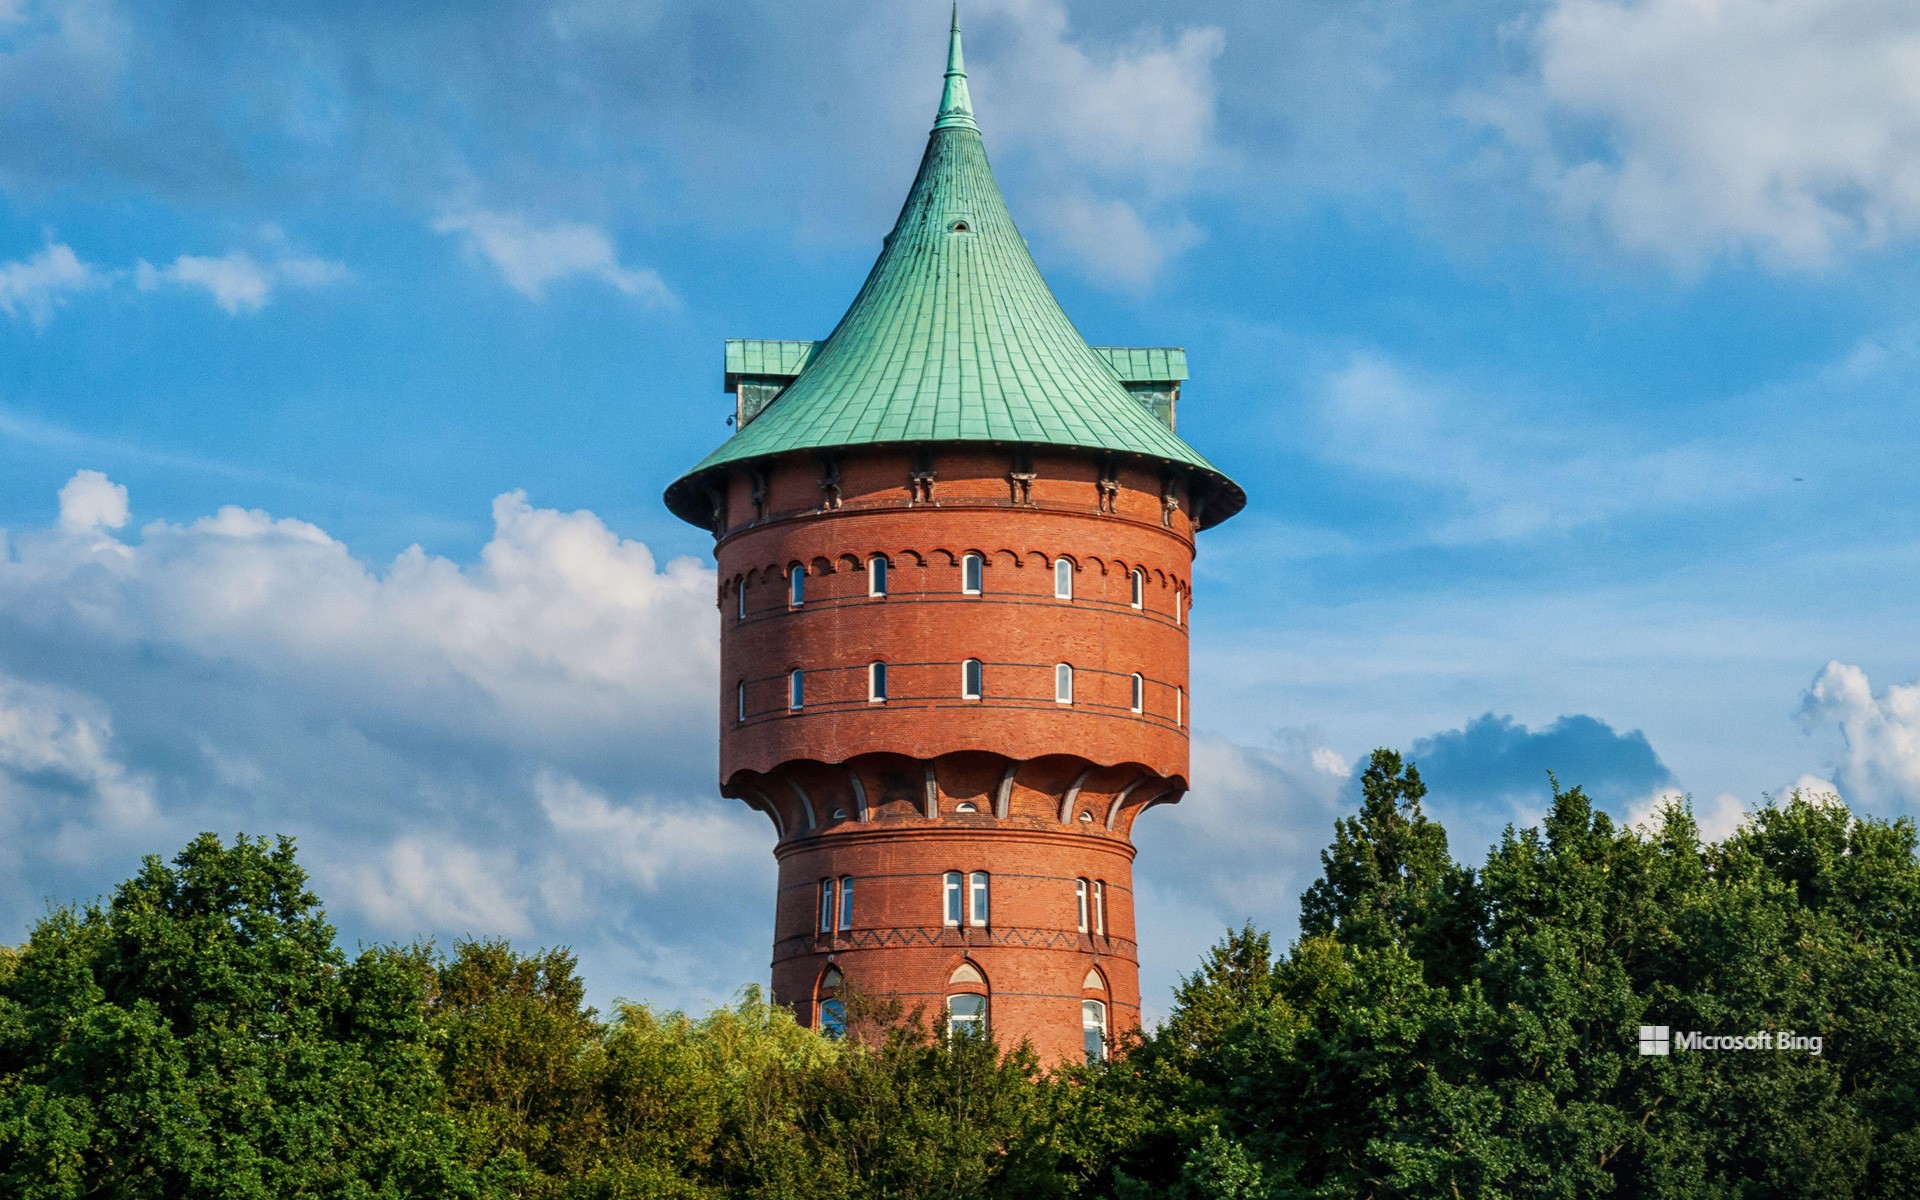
x=1179, y=607
x=1063, y=683
x=1179, y=706
x=1139, y=588
x=1080, y=902
x=796, y=585
x=975, y=687
x=979, y=906
x=796, y=690
x=973, y=1023
x=877, y=575
x=828, y=909
x=845, y=919
x=1063, y=578
x=1093, y=1016
x=953, y=898
x=876, y=683
x=973, y=565
x=1100, y=907
x=1139, y=692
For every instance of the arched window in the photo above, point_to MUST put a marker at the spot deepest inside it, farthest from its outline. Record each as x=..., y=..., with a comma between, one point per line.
x=796, y=690
x=877, y=575
x=846, y=902
x=971, y=679
x=1100, y=907
x=1139, y=692
x=977, y=887
x=1063, y=683
x=1080, y=901
x=740, y=701
x=972, y=572
x=826, y=906
x=833, y=1010
x=796, y=585
x=966, y=1001
x=951, y=905
x=1062, y=579
x=1093, y=1029
x=876, y=681
x=1179, y=606
x=1139, y=588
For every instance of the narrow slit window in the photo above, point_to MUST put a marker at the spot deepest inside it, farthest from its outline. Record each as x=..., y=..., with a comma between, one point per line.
x=1179, y=706
x=846, y=902
x=877, y=575
x=977, y=912
x=1080, y=902
x=740, y=701
x=1139, y=693
x=971, y=679
x=1179, y=606
x=796, y=585
x=796, y=690
x=1063, y=683
x=826, y=906
x=1100, y=907
x=876, y=681
x=1139, y=588
x=1062, y=579
x=972, y=574
x=740, y=601
x=953, y=897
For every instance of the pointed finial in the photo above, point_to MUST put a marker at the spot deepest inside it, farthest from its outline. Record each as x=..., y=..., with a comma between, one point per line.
x=956, y=106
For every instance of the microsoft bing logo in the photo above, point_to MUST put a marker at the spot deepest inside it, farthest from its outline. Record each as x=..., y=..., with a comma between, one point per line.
x=1656, y=1039
x=1660, y=1041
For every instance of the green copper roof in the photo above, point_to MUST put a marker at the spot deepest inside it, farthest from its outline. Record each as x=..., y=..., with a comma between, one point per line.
x=954, y=337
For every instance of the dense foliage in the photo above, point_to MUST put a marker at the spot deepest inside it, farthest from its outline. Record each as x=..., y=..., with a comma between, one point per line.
x=1436, y=1031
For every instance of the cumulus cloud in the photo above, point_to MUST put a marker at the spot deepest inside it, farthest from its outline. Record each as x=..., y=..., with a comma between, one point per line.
x=34, y=286
x=1110, y=240
x=237, y=281
x=1787, y=128
x=532, y=257
x=91, y=501
x=65, y=794
x=1881, y=733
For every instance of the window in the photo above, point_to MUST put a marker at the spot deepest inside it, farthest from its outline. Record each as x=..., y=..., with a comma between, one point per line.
x=740, y=600
x=833, y=1018
x=826, y=906
x=846, y=902
x=740, y=701
x=966, y=1015
x=796, y=585
x=1139, y=692
x=1080, y=901
x=1062, y=684
x=1139, y=588
x=796, y=690
x=1062, y=579
x=1093, y=1027
x=1100, y=907
x=977, y=915
x=877, y=575
x=972, y=568
x=953, y=898
x=970, y=679
x=1179, y=605
x=1179, y=706
x=876, y=681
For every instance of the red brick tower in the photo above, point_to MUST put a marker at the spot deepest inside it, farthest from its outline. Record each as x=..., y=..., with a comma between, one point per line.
x=955, y=546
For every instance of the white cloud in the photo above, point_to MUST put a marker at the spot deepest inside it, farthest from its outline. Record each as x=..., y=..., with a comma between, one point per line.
x=237, y=281
x=34, y=286
x=648, y=841
x=1112, y=242
x=418, y=884
x=533, y=257
x=91, y=501
x=1881, y=733
x=1688, y=128
x=1717, y=820
x=63, y=792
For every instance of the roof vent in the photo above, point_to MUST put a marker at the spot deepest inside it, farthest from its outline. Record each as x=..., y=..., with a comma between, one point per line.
x=960, y=227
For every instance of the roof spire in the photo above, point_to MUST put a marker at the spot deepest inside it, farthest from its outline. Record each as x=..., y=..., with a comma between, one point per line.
x=956, y=106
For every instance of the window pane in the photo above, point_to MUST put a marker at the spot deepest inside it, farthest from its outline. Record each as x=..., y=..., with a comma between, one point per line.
x=966, y=1014
x=833, y=1019
x=877, y=576
x=953, y=898
x=826, y=906
x=1093, y=1023
x=970, y=679
x=846, y=902
x=1099, y=907
x=1062, y=578
x=979, y=898
x=796, y=694
x=1063, y=684
x=741, y=599
x=740, y=702
x=796, y=585
x=1139, y=693
x=1080, y=901
x=1139, y=588
x=970, y=573
x=877, y=681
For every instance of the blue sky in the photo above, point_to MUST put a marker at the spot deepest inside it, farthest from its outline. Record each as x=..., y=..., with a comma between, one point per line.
x=1565, y=348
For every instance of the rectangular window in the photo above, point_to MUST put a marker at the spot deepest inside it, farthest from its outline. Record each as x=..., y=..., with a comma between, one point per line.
x=1062, y=579
x=1139, y=589
x=1139, y=693
x=970, y=574
x=1100, y=907
x=1063, y=684
x=1179, y=606
x=740, y=701
x=1080, y=901
x=978, y=914
x=953, y=898
x=970, y=679
x=1093, y=1024
x=1179, y=706
x=877, y=575
x=826, y=906
x=796, y=585
x=846, y=902
x=740, y=600
x=876, y=681
x=796, y=690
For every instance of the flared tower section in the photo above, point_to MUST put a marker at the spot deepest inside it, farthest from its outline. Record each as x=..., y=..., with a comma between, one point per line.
x=955, y=548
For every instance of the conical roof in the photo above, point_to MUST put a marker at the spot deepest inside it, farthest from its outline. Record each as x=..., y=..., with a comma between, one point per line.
x=955, y=337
